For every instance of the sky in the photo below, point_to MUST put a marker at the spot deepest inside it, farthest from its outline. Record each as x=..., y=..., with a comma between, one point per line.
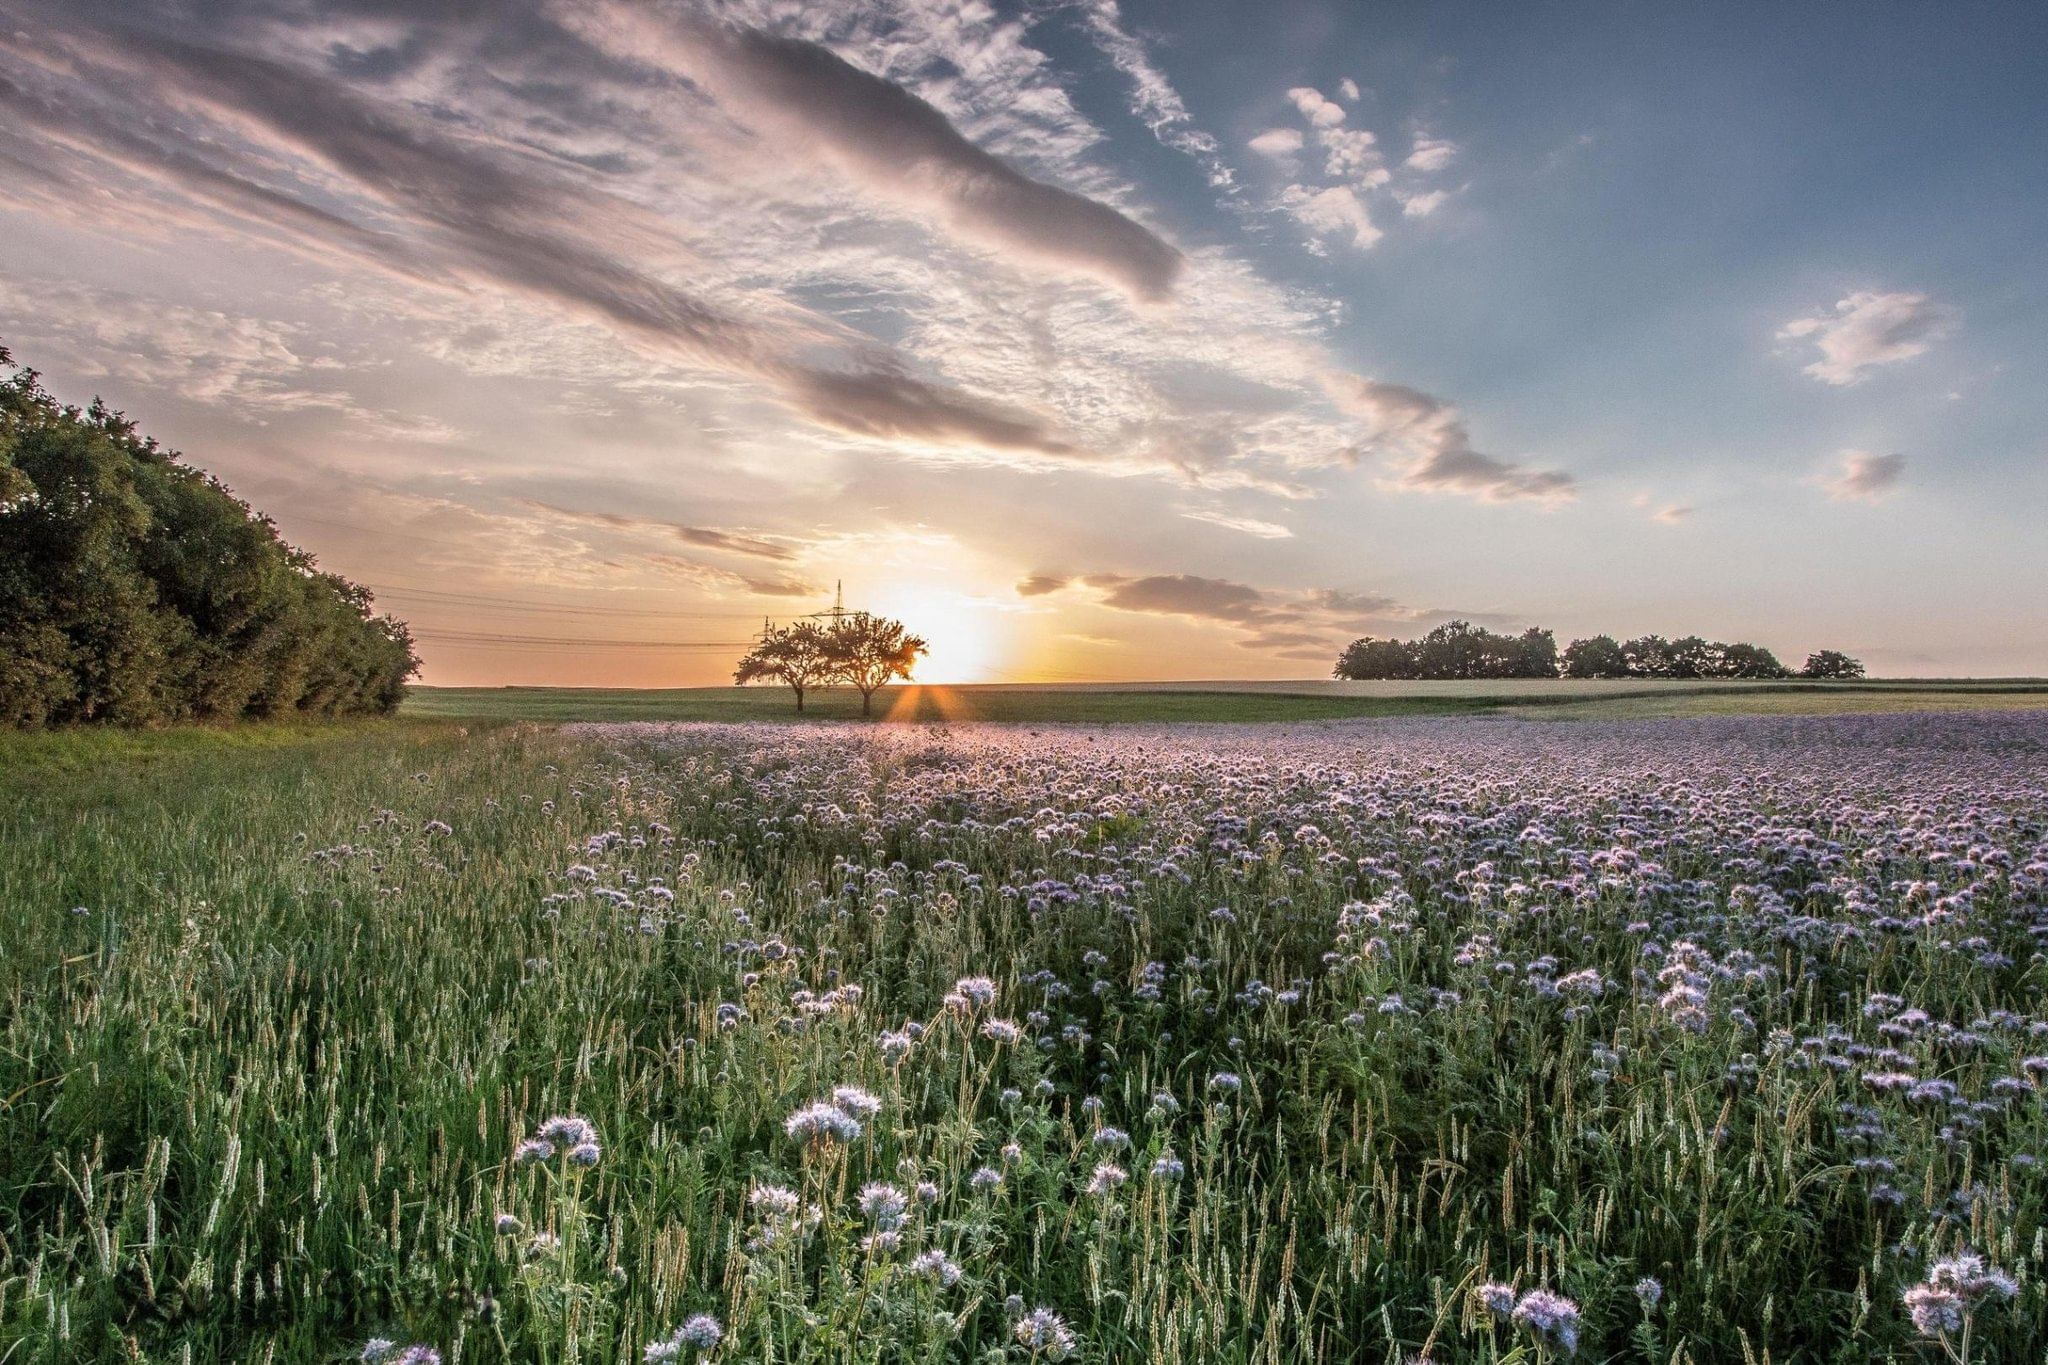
x=1096, y=339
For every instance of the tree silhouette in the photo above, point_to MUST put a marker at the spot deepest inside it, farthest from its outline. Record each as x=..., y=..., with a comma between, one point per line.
x=1831, y=664
x=866, y=651
x=1597, y=656
x=798, y=655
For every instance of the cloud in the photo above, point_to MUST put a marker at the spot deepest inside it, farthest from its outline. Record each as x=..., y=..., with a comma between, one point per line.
x=1251, y=526
x=1153, y=98
x=1318, y=109
x=720, y=579
x=1867, y=329
x=1429, y=440
x=704, y=537
x=1281, y=144
x=1348, y=88
x=1205, y=599
x=1351, y=156
x=894, y=143
x=1332, y=212
x=508, y=223
x=1040, y=584
x=1431, y=154
x=1671, y=513
x=1293, y=624
x=1422, y=205
x=894, y=405
x=1860, y=476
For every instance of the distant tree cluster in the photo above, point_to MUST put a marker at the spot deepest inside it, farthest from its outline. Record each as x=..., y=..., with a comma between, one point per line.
x=1455, y=649
x=1459, y=649
x=859, y=650
x=135, y=589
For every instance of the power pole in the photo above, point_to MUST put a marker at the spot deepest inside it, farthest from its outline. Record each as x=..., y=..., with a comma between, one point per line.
x=839, y=612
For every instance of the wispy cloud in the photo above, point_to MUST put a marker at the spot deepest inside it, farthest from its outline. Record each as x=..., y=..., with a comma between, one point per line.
x=806, y=98
x=1868, y=329
x=1860, y=476
x=1432, y=449
x=1251, y=526
x=1153, y=97
x=1289, y=624
x=705, y=537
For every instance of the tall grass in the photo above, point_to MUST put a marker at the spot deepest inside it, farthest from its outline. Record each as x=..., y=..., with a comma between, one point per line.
x=1290, y=1042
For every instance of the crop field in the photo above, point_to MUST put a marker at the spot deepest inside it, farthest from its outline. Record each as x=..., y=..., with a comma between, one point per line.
x=1452, y=1038
x=1303, y=700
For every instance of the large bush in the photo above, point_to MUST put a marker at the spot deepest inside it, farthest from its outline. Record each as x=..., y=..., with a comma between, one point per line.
x=136, y=589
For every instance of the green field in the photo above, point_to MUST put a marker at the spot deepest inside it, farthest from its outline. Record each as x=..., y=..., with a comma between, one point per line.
x=278, y=1004
x=1223, y=701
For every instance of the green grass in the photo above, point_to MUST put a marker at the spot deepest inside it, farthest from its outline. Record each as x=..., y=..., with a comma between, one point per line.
x=1213, y=702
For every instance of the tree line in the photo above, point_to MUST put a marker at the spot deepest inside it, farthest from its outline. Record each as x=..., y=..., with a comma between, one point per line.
x=135, y=589
x=1459, y=649
x=858, y=650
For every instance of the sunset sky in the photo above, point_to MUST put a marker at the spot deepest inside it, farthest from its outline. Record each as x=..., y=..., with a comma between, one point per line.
x=1095, y=340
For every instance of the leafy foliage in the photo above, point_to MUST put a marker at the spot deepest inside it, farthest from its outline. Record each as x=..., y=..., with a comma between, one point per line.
x=794, y=654
x=1456, y=650
x=867, y=651
x=1461, y=650
x=135, y=589
x=1829, y=663
x=860, y=650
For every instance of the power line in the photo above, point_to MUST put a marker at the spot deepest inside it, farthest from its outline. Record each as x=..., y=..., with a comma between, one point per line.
x=481, y=637
x=436, y=596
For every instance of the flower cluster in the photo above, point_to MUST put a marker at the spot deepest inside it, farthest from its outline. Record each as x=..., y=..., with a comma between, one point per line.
x=1552, y=1319
x=1954, y=1286
x=701, y=1332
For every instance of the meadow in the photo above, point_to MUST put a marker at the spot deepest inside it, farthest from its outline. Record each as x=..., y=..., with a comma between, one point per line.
x=1458, y=1038
x=1222, y=701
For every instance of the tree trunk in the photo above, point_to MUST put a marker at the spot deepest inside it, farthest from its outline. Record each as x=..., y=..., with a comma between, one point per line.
x=867, y=703
x=799, y=699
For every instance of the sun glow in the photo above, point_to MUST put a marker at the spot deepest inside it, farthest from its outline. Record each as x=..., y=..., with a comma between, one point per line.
x=962, y=632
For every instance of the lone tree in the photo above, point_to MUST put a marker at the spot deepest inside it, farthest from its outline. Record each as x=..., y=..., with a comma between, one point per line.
x=866, y=651
x=1831, y=664
x=798, y=655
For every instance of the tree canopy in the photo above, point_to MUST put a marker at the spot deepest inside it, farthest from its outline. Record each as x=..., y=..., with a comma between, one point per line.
x=1455, y=649
x=136, y=589
x=795, y=655
x=1459, y=649
x=868, y=650
x=859, y=650
x=1831, y=664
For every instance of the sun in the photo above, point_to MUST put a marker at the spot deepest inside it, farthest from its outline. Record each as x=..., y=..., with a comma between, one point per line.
x=960, y=629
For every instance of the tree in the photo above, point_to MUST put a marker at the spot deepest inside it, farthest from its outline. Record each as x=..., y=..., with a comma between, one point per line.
x=1690, y=656
x=798, y=655
x=1831, y=664
x=866, y=651
x=1454, y=649
x=1599, y=656
x=1535, y=654
x=1372, y=660
x=1751, y=661
x=1649, y=656
x=138, y=590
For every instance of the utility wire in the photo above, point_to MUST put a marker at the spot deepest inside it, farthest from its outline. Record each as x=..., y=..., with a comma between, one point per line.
x=436, y=596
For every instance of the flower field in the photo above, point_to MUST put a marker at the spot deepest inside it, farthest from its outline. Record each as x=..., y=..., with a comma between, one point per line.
x=1710, y=1040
